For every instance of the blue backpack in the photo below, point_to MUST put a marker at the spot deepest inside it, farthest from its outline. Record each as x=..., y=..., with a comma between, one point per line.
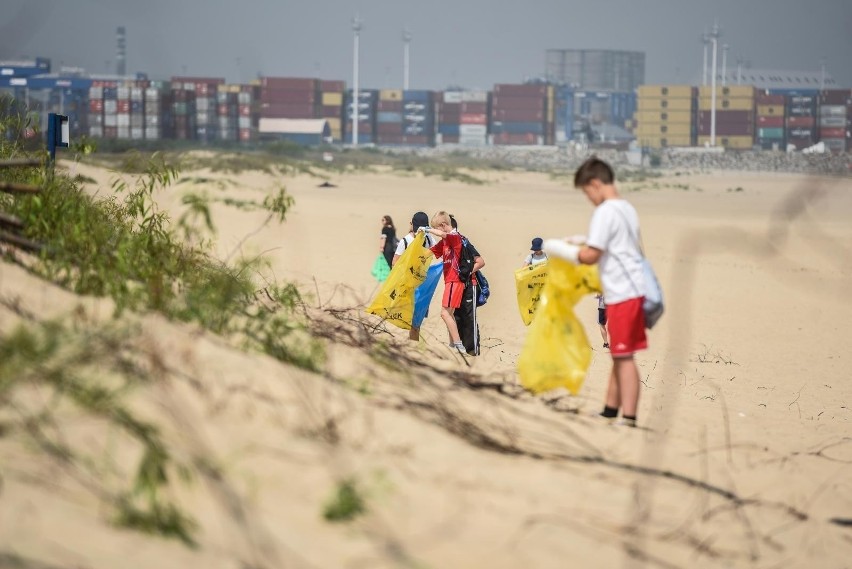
x=484, y=289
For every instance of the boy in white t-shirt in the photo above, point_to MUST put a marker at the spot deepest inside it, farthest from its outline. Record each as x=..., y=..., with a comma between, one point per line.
x=418, y=220
x=613, y=243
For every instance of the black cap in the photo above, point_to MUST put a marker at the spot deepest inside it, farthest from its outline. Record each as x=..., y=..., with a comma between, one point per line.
x=536, y=244
x=419, y=219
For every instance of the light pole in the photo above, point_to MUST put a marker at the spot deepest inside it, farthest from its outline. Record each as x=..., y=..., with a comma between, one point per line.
x=714, y=39
x=356, y=99
x=739, y=70
x=725, y=48
x=406, y=39
x=821, y=73
x=705, y=39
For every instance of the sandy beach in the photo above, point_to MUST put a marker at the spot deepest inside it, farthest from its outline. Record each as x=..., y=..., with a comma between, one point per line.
x=744, y=457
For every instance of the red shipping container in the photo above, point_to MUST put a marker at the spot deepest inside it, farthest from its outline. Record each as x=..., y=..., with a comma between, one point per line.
x=726, y=129
x=389, y=128
x=508, y=138
x=288, y=110
x=289, y=83
x=764, y=99
x=245, y=134
x=449, y=107
x=770, y=122
x=332, y=86
x=389, y=106
x=96, y=105
x=474, y=108
x=331, y=112
x=363, y=128
x=473, y=119
x=389, y=138
x=520, y=103
x=245, y=110
x=122, y=106
x=202, y=80
x=800, y=143
x=832, y=133
x=288, y=96
x=449, y=118
x=517, y=115
x=450, y=139
x=835, y=97
x=222, y=110
x=728, y=117
x=800, y=121
x=110, y=132
x=520, y=90
x=418, y=139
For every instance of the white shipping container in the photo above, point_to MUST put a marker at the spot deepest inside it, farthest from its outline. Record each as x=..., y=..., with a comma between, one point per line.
x=202, y=120
x=244, y=122
x=110, y=120
x=153, y=94
x=473, y=130
x=96, y=119
x=110, y=106
x=189, y=86
x=222, y=97
x=123, y=132
x=136, y=93
x=244, y=98
x=96, y=131
x=137, y=121
x=96, y=92
x=452, y=96
x=137, y=133
x=832, y=111
x=202, y=103
x=123, y=93
x=122, y=120
x=226, y=122
x=474, y=96
x=152, y=120
x=152, y=133
x=832, y=122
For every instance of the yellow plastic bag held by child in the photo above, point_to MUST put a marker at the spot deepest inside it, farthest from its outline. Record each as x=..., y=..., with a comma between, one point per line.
x=395, y=300
x=556, y=352
x=528, y=283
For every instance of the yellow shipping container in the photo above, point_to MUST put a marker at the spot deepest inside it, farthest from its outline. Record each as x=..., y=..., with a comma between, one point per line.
x=390, y=95
x=736, y=91
x=664, y=103
x=658, y=91
x=331, y=99
x=734, y=142
x=336, y=134
x=663, y=141
x=726, y=104
x=334, y=124
x=663, y=116
x=651, y=129
x=770, y=110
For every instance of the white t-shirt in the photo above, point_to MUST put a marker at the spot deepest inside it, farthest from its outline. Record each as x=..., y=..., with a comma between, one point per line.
x=533, y=260
x=614, y=229
x=406, y=241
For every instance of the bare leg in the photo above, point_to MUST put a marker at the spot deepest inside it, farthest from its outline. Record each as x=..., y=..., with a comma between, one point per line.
x=613, y=394
x=450, y=321
x=627, y=375
x=604, y=334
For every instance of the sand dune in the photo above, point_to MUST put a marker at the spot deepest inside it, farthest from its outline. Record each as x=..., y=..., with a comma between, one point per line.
x=744, y=457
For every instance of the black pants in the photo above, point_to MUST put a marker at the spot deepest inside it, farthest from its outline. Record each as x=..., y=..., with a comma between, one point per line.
x=465, y=316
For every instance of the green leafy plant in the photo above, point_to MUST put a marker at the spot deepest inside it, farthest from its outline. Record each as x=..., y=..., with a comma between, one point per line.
x=345, y=504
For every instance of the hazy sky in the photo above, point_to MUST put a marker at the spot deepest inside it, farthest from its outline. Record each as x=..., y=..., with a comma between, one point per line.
x=472, y=43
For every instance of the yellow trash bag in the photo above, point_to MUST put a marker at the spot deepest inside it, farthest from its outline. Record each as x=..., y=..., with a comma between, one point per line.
x=556, y=352
x=395, y=300
x=528, y=283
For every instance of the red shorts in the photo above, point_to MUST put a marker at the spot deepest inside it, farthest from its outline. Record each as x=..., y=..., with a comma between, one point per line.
x=626, y=324
x=453, y=293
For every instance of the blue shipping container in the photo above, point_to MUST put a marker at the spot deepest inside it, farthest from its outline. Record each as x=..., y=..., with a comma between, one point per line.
x=419, y=96
x=517, y=128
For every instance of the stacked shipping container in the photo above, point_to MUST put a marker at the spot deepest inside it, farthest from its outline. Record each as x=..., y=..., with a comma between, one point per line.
x=366, y=115
x=331, y=109
x=289, y=98
x=834, y=118
x=158, y=108
x=519, y=114
x=734, y=116
x=770, y=116
x=665, y=116
x=389, y=113
x=801, y=112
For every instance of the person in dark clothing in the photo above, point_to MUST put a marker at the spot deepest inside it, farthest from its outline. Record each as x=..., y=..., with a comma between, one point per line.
x=465, y=316
x=388, y=240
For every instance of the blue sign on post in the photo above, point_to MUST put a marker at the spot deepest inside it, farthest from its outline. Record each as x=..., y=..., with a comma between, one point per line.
x=57, y=134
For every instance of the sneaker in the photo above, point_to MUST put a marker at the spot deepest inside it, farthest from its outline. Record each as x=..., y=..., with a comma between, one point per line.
x=606, y=344
x=622, y=422
x=459, y=346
